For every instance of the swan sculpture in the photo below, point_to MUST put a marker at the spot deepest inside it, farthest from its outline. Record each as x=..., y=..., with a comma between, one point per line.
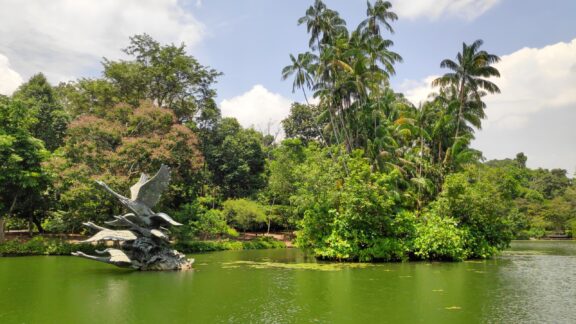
x=143, y=241
x=145, y=194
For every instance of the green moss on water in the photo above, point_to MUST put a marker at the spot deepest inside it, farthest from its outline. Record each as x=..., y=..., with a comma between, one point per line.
x=296, y=266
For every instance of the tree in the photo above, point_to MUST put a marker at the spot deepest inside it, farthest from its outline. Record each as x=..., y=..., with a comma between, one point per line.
x=116, y=148
x=475, y=201
x=302, y=69
x=550, y=183
x=303, y=123
x=244, y=214
x=468, y=76
x=87, y=96
x=166, y=75
x=350, y=68
x=354, y=216
x=521, y=159
x=236, y=159
x=322, y=24
x=51, y=121
x=283, y=180
x=378, y=13
x=21, y=155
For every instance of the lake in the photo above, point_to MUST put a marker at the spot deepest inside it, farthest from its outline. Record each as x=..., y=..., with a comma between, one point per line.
x=533, y=282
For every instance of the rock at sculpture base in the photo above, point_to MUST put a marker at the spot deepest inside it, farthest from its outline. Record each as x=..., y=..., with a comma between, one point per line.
x=143, y=240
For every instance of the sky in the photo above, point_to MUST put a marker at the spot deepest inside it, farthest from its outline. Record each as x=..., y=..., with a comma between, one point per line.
x=250, y=42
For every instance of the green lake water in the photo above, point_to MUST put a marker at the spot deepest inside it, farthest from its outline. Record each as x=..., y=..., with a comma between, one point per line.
x=533, y=282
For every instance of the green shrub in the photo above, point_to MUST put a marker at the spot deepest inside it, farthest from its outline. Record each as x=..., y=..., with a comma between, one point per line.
x=263, y=243
x=439, y=238
x=57, y=222
x=244, y=214
x=43, y=246
x=474, y=200
x=210, y=246
x=385, y=249
x=201, y=222
x=207, y=246
x=349, y=214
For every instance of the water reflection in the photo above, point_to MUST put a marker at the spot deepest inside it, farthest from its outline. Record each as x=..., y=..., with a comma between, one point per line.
x=536, y=288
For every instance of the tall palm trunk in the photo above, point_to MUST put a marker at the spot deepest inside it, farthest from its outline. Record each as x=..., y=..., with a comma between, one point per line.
x=335, y=131
x=344, y=128
x=461, y=101
x=305, y=97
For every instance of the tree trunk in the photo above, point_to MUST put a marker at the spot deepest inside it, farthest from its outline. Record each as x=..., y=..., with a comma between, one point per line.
x=38, y=224
x=3, y=219
x=461, y=100
x=2, y=222
x=269, y=220
x=30, y=227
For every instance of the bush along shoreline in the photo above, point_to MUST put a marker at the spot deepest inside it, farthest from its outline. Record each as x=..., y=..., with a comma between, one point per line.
x=49, y=246
x=45, y=246
x=224, y=245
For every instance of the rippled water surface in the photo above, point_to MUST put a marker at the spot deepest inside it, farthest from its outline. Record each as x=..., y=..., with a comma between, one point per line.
x=533, y=282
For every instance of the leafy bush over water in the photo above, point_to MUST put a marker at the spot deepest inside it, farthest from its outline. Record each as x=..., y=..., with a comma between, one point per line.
x=439, y=238
x=354, y=214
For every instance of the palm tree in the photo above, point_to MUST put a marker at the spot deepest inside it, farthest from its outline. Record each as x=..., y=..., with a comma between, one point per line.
x=313, y=20
x=303, y=70
x=378, y=14
x=322, y=24
x=377, y=50
x=468, y=76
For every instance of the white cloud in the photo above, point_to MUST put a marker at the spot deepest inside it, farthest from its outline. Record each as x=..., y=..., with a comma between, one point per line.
x=538, y=86
x=434, y=9
x=68, y=38
x=258, y=108
x=9, y=79
x=532, y=80
x=417, y=91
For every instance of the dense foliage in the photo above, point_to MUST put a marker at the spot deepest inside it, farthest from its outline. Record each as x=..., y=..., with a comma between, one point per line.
x=362, y=174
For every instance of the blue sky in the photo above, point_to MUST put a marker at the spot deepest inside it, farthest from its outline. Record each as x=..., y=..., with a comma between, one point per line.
x=250, y=40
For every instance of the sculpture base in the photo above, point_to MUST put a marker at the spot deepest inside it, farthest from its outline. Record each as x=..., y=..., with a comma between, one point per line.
x=165, y=261
x=160, y=259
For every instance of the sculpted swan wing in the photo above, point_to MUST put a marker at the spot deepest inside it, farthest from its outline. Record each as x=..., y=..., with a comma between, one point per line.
x=136, y=187
x=149, y=192
x=111, y=235
x=117, y=257
x=163, y=219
